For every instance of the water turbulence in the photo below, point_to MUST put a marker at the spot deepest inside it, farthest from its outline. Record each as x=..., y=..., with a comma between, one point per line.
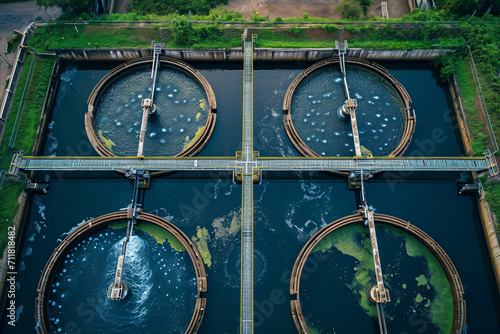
x=161, y=280
x=318, y=98
x=182, y=111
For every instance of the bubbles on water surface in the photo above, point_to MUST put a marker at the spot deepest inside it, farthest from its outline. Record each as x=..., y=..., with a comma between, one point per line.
x=150, y=270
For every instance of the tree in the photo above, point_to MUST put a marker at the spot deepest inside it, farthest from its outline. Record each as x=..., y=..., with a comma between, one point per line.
x=349, y=9
x=68, y=6
x=183, y=32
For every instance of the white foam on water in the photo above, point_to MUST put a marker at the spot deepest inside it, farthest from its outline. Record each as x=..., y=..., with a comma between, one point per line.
x=358, y=96
x=338, y=80
x=170, y=95
x=152, y=134
x=377, y=115
x=164, y=130
x=376, y=97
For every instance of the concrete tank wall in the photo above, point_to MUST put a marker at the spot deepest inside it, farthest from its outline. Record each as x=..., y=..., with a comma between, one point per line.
x=236, y=54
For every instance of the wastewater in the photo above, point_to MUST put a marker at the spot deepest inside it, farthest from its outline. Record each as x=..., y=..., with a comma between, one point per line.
x=288, y=210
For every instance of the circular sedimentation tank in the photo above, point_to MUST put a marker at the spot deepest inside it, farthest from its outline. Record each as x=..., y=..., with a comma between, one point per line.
x=424, y=284
x=312, y=110
x=72, y=291
x=184, y=104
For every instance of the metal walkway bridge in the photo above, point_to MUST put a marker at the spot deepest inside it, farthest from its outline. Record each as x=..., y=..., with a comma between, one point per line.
x=246, y=302
x=247, y=167
x=443, y=164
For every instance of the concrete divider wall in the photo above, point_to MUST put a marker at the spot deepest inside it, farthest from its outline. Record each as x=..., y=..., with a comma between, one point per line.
x=236, y=54
x=491, y=236
x=460, y=115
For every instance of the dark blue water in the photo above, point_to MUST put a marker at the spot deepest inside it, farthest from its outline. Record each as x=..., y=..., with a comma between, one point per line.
x=287, y=212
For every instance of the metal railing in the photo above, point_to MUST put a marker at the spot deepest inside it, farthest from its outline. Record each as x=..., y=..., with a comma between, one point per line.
x=492, y=137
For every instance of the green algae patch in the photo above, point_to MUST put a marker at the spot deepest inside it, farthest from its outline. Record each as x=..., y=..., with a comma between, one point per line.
x=428, y=303
x=196, y=136
x=421, y=280
x=227, y=226
x=419, y=298
x=117, y=225
x=201, y=241
x=441, y=306
x=404, y=286
x=161, y=235
x=313, y=330
x=345, y=239
x=108, y=143
x=353, y=240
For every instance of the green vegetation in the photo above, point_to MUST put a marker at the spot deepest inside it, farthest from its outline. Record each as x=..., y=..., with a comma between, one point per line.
x=91, y=36
x=161, y=235
x=349, y=9
x=14, y=42
x=201, y=241
x=25, y=139
x=163, y=7
x=10, y=192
